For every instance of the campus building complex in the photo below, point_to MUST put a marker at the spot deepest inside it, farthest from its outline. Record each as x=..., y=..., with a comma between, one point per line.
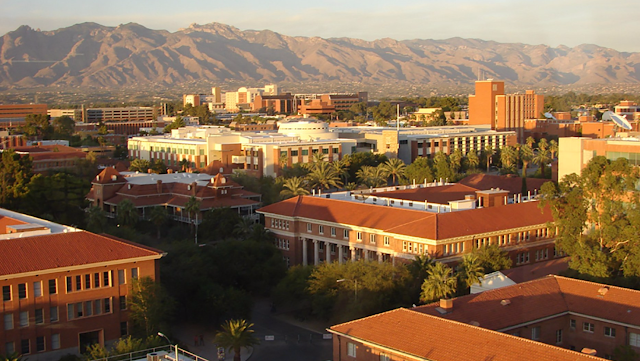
x=171, y=191
x=64, y=288
x=574, y=153
x=395, y=224
x=551, y=318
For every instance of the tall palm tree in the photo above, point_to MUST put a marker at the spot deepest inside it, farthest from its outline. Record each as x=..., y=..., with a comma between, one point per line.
x=530, y=142
x=126, y=213
x=553, y=148
x=96, y=219
x=184, y=164
x=543, y=144
x=323, y=176
x=440, y=283
x=341, y=169
x=526, y=155
x=318, y=157
x=508, y=157
x=192, y=207
x=455, y=160
x=235, y=335
x=292, y=187
x=244, y=227
x=473, y=160
x=158, y=216
x=395, y=168
x=470, y=269
x=420, y=266
x=371, y=176
x=488, y=153
x=542, y=158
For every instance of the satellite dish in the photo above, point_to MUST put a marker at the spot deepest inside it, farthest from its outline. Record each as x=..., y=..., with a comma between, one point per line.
x=620, y=120
x=549, y=116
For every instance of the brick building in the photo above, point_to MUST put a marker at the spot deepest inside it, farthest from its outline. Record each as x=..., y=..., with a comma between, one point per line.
x=552, y=318
x=63, y=288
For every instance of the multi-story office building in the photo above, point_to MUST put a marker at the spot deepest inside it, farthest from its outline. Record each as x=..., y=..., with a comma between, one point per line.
x=22, y=110
x=552, y=318
x=280, y=103
x=245, y=97
x=47, y=158
x=574, y=153
x=444, y=221
x=75, y=114
x=64, y=289
x=503, y=112
x=95, y=115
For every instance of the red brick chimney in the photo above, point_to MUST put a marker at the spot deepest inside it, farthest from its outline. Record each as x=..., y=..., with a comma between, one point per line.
x=159, y=186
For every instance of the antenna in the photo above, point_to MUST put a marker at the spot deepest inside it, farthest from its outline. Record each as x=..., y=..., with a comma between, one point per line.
x=620, y=120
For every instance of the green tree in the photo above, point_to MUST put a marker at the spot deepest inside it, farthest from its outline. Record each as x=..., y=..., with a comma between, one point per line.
x=473, y=160
x=159, y=167
x=509, y=159
x=541, y=158
x=440, y=283
x=11, y=357
x=492, y=258
x=38, y=126
x=394, y=168
x=442, y=167
x=235, y=335
x=488, y=154
x=470, y=269
x=150, y=307
x=15, y=174
x=96, y=219
x=177, y=123
x=244, y=227
x=63, y=127
x=553, y=148
x=526, y=155
x=127, y=214
x=140, y=165
x=323, y=176
x=371, y=176
x=218, y=223
x=192, y=207
x=419, y=171
x=530, y=142
x=184, y=164
x=158, y=216
x=455, y=160
x=292, y=187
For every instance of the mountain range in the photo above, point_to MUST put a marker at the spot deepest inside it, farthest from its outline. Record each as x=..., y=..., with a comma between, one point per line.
x=90, y=54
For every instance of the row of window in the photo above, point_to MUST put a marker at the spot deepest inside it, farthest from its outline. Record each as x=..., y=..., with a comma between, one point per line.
x=279, y=223
x=24, y=320
x=281, y=243
x=184, y=151
x=453, y=248
x=25, y=345
x=590, y=328
x=412, y=247
x=23, y=290
x=294, y=153
x=92, y=308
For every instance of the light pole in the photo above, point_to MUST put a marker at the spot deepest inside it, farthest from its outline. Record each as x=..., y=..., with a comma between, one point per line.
x=167, y=338
x=355, y=281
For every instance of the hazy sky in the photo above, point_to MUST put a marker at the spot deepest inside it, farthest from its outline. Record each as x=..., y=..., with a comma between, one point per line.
x=612, y=23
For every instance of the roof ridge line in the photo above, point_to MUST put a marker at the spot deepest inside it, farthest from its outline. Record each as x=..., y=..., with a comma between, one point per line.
x=126, y=242
x=368, y=317
x=593, y=283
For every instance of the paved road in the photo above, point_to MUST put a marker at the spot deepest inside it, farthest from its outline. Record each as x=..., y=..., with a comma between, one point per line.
x=292, y=342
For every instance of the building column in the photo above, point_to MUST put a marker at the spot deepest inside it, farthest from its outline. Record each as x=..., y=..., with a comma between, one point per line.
x=379, y=257
x=327, y=249
x=316, y=252
x=304, y=252
x=340, y=254
x=353, y=253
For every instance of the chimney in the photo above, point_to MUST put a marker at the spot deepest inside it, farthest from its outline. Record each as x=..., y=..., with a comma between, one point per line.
x=193, y=189
x=169, y=171
x=446, y=304
x=159, y=186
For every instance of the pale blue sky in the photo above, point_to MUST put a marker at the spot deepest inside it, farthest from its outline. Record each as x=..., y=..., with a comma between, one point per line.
x=612, y=23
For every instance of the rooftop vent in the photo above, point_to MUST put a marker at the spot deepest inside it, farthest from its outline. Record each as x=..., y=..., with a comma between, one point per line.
x=474, y=323
x=589, y=351
x=505, y=302
x=603, y=290
x=114, y=177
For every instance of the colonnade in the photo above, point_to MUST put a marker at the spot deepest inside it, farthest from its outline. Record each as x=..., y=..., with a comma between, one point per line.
x=343, y=252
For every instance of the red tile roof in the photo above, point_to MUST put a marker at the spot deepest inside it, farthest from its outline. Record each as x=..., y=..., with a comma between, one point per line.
x=38, y=253
x=513, y=184
x=107, y=176
x=440, y=194
x=8, y=221
x=548, y=296
x=436, y=339
x=409, y=222
x=537, y=270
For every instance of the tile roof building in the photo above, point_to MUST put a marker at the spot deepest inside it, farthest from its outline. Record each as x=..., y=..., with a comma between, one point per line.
x=64, y=288
x=51, y=157
x=444, y=221
x=171, y=191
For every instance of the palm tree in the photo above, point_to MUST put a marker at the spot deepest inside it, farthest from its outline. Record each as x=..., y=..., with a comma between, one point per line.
x=488, y=153
x=126, y=213
x=350, y=186
x=158, y=216
x=371, y=176
x=96, y=219
x=294, y=187
x=340, y=167
x=243, y=228
x=184, y=164
x=323, y=176
x=553, y=148
x=508, y=157
x=470, y=269
x=192, y=207
x=440, y=283
x=542, y=158
x=530, y=142
x=317, y=157
x=455, y=160
x=526, y=155
x=235, y=335
x=395, y=168
x=420, y=266
x=543, y=144
x=473, y=160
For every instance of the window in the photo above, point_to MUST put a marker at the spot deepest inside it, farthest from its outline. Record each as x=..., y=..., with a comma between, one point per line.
x=53, y=314
x=40, y=343
x=8, y=321
x=79, y=310
x=321, y=229
x=97, y=307
x=610, y=332
x=384, y=357
x=24, y=319
x=6, y=293
x=134, y=273
x=351, y=349
x=24, y=347
x=87, y=281
x=386, y=240
x=305, y=152
x=88, y=308
x=96, y=280
x=55, y=341
x=39, y=316
x=123, y=328
x=37, y=289
x=325, y=151
x=9, y=348
x=78, y=283
x=106, y=279
x=634, y=339
x=588, y=327
x=359, y=236
x=559, y=336
x=53, y=287
x=22, y=291
x=107, y=305
x=572, y=324
x=535, y=333
x=69, y=311
x=123, y=302
x=309, y=227
x=121, y=279
x=333, y=231
x=372, y=238
x=345, y=234
x=294, y=153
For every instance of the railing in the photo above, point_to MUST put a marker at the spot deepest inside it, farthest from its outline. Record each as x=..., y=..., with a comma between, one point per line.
x=168, y=353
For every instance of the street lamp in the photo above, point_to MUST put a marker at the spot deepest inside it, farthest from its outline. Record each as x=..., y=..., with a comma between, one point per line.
x=355, y=281
x=167, y=338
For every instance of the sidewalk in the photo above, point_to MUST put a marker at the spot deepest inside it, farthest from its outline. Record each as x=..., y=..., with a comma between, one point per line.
x=209, y=351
